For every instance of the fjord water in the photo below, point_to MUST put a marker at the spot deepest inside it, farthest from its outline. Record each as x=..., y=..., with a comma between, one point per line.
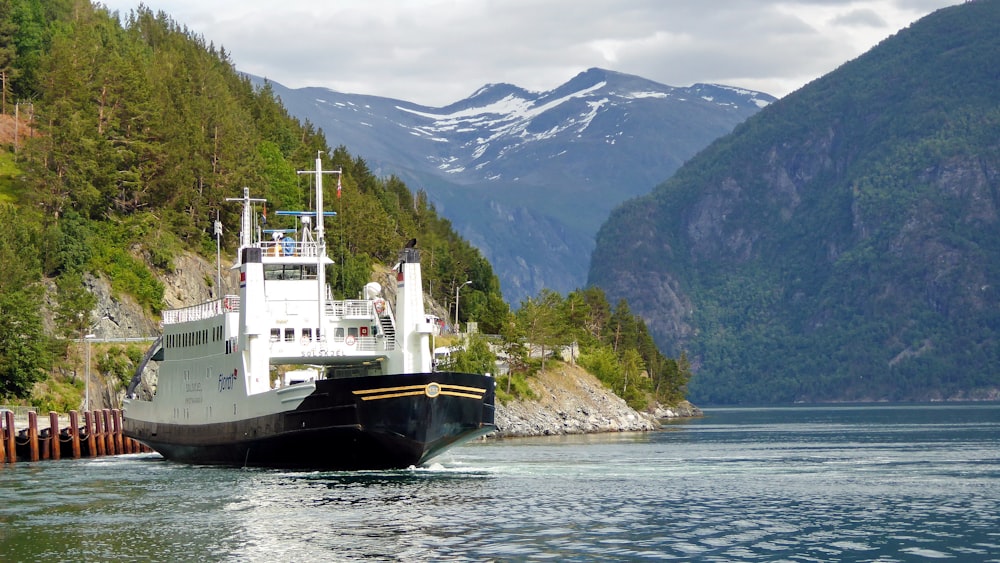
x=843, y=483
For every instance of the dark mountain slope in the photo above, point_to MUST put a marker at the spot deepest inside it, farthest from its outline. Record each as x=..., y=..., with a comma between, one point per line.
x=842, y=244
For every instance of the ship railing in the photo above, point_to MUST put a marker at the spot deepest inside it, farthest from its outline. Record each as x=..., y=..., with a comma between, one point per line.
x=351, y=309
x=209, y=309
x=348, y=344
x=367, y=343
x=290, y=248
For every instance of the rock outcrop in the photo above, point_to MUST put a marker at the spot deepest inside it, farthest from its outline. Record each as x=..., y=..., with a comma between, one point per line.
x=572, y=401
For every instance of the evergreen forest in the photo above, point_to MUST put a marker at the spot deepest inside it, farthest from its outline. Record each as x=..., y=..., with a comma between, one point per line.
x=840, y=245
x=122, y=135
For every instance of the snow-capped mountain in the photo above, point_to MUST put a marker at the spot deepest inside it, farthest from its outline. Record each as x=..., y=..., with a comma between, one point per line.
x=529, y=177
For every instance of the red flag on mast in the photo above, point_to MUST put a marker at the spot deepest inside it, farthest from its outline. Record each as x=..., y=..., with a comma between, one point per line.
x=338, y=186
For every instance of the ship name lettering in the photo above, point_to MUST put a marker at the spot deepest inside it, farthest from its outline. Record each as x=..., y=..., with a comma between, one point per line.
x=322, y=352
x=226, y=382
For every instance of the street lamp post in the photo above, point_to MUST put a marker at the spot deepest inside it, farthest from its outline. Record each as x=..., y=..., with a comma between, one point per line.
x=86, y=382
x=457, y=289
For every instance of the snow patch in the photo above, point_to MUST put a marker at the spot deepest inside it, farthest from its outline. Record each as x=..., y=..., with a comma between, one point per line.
x=640, y=95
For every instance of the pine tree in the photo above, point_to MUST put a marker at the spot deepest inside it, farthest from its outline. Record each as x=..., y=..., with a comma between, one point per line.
x=8, y=51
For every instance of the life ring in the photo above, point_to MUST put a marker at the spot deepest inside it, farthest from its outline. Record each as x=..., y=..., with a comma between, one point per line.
x=380, y=306
x=349, y=340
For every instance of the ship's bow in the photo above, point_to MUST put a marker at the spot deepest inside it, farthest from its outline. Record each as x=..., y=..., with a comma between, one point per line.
x=405, y=420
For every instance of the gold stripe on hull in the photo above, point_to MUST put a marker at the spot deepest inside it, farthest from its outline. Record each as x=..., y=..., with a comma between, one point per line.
x=431, y=390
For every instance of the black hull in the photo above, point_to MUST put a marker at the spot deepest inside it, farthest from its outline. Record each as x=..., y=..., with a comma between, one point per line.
x=383, y=422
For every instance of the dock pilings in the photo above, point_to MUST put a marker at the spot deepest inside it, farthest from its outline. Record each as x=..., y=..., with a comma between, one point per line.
x=100, y=435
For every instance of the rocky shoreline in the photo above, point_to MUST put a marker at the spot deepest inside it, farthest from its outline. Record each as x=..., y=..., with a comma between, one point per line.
x=572, y=401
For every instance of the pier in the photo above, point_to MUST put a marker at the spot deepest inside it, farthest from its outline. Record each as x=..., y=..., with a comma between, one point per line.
x=98, y=433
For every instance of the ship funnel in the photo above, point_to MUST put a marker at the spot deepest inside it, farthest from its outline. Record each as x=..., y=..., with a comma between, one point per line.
x=413, y=327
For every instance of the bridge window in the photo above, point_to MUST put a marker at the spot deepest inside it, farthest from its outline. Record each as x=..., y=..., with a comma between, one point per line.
x=289, y=272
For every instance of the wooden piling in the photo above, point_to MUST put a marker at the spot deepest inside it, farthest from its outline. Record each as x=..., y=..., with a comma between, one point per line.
x=74, y=432
x=54, y=452
x=3, y=443
x=32, y=436
x=109, y=439
x=88, y=418
x=99, y=433
x=11, y=445
x=117, y=416
x=104, y=430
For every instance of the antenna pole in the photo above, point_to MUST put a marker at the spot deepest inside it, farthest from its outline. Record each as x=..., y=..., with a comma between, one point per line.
x=320, y=241
x=218, y=255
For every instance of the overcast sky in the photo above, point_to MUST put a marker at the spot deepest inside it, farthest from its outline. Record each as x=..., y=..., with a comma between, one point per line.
x=434, y=52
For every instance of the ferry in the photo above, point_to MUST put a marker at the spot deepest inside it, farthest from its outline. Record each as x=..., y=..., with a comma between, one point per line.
x=283, y=375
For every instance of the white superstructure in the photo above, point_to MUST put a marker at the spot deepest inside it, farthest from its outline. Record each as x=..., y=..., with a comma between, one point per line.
x=224, y=360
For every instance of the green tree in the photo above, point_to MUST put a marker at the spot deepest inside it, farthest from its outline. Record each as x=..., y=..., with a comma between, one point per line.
x=635, y=385
x=603, y=363
x=75, y=305
x=23, y=355
x=474, y=357
x=623, y=328
x=8, y=51
x=512, y=348
x=118, y=363
x=491, y=312
x=542, y=325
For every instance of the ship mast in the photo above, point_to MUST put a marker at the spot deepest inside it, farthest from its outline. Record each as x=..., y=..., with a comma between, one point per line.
x=320, y=241
x=246, y=219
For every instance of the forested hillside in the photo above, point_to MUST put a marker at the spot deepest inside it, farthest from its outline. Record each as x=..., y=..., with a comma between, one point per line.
x=843, y=243
x=139, y=130
x=120, y=141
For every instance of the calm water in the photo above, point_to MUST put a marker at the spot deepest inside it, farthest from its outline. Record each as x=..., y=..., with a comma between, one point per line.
x=883, y=483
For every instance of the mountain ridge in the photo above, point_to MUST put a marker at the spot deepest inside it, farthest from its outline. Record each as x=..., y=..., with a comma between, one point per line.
x=528, y=177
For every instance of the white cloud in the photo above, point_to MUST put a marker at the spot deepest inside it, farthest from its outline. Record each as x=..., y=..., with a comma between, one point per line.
x=435, y=52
